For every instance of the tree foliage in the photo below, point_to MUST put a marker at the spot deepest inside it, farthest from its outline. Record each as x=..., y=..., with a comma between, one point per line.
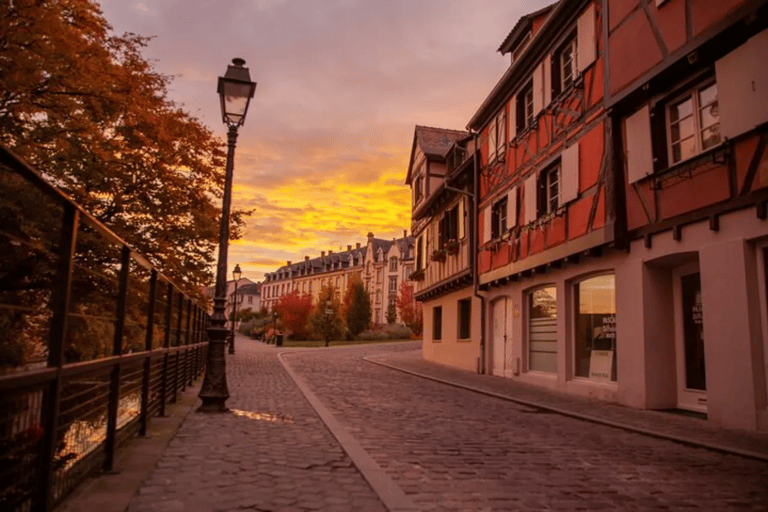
x=326, y=315
x=85, y=108
x=359, y=312
x=410, y=311
x=391, y=314
x=294, y=310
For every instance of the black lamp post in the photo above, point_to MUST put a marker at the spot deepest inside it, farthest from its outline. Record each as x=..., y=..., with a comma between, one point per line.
x=236, y=274
x=235, y=91
x=274, y=326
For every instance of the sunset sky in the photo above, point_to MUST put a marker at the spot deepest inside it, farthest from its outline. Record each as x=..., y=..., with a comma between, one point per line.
x=323, y=154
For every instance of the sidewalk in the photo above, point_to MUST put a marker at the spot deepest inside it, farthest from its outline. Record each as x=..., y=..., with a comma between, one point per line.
x=674, y=427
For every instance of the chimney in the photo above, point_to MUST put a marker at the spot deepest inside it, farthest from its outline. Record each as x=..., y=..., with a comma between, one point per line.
x=289, y=263
x=349, y=248
x=357, y=245
x=370, y=236
x=405, y=233
x=306, y=258
x=322, y=254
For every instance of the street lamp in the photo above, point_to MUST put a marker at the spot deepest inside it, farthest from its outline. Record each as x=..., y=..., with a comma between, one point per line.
x=235, y=90
x=236, y=274
x=328, y=313
x=274, y=326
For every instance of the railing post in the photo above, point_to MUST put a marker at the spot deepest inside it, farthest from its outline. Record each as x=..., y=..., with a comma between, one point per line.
x=187, y=338
x=166, y=345
x=60, y=298
x=117, y=350
x=144, y=418
x=178, y=352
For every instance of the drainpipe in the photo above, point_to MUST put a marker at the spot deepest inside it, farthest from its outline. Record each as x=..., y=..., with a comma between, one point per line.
x=474, y=246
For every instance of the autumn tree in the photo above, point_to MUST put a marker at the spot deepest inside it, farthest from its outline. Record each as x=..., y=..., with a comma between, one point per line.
x=294, y=310
x=349, y=293
x=326, y=315
x=85, y=108
x=359, y=313
x=409, y=310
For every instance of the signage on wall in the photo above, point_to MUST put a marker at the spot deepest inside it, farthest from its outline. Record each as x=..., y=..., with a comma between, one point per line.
x=601, y=364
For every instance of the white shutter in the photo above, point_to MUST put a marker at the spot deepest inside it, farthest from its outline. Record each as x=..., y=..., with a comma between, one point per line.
x=530, y=199
x=547, y=80
x=512, y=208
x=492, y=141
x=461, y=218
x=742, y=87
x=486, y=224
x=512, y=117
x=569, y=174
x=538, y=88
x=639, y=150
x=586, y=49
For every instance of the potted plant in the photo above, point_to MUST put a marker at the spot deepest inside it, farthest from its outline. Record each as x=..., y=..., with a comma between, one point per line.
x=452, y=246
x=417, y=275
x=439, y=255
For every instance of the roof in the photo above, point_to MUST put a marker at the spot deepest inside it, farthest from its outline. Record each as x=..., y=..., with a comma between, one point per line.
x=521, y=27
x=434, y=142
x=250, y=289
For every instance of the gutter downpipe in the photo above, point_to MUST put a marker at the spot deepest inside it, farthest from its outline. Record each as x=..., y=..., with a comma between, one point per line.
x=474, y=246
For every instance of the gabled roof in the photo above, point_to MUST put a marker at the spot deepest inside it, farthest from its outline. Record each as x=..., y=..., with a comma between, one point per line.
x=522, y=26
x=433, y=142
x=250, y=289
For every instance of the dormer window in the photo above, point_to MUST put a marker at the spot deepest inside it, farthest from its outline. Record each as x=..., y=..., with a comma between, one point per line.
x=520, y=48
x=419, y=188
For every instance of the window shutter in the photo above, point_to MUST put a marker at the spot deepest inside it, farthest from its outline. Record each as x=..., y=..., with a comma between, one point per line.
x=512, y=208
x=547, y=71
x=742, y=87
x=501, y=142
x=586, y=50
x=569, y=174
x=538, y=89
x=461, y=218
x=530, y=198
x=512, y=117
x=486, y=224
x=492, y=141
x=639, y=153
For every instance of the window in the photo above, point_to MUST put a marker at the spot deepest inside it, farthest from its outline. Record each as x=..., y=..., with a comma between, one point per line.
x=420, y=253
x=499, y=218
x=378, y=276
x=337, y=283
x=497, y=137
x=437, y=323
x=393, y=264
x=564, y=67
x=449, y=226
x=549, y=184
x=525, y=107
x=419, y=188
x=378, y=296
x=693, y=123
x=407, y=271
x=393, y=284
x=595, y=328
x=250, y=299
x=520, y=47
x=465, y=314
x=542, y=330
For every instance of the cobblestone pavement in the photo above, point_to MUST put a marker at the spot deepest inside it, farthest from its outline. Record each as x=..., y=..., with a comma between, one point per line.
x=454, y=450
x=271, y=453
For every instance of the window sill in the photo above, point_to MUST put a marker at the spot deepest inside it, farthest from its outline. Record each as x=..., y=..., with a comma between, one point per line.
x=719, y=155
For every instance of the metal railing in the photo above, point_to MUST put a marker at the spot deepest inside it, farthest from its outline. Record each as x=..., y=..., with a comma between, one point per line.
x=94, y=341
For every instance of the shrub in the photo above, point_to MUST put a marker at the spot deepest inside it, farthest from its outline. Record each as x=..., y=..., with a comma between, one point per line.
x=372, y=335
x=397, y=332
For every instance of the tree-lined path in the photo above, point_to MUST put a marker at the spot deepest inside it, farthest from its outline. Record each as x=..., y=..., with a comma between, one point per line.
x=445, y=448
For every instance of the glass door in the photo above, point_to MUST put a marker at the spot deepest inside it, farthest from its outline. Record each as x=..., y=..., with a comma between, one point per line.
x=691, y=373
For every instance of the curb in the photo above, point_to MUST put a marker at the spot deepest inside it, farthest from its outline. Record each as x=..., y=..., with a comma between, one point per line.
x=391, y=495
x=584, y=417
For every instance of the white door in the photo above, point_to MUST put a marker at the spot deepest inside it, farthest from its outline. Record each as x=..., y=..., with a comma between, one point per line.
x=499, y=333
x=689, y=339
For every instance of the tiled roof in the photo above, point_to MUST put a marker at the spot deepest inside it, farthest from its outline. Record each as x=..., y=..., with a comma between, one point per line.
x=518, y=29
x=437, y=141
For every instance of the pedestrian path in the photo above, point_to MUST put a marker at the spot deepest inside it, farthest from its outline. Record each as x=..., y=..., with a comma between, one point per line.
x=271, y=452
x=679, y=428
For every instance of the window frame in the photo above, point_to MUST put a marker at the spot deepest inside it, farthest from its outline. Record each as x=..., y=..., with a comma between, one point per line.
x=437, y=323
x=529, y=306
x=524, y=108
x=392, y=279
x=575, y=312
x=560, y=82
x=693, y=93
x=545, y=182
x=497, y=137
x=499, y=217
x=448, y=228
x=393, y=264
x=464, y=319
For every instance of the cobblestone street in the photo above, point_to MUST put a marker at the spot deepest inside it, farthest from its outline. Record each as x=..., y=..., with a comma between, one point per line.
x=438, y=447
x=451, y=449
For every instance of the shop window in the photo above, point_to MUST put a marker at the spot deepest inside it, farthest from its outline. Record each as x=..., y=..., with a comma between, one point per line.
x=595, y=328
x=499, y=218
x=693, y=123
x=549, y=187
x=437, y=323
x=524, y=107
x=542, y=330
x=465, y=315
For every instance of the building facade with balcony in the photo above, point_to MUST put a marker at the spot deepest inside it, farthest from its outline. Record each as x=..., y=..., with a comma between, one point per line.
x=622, y=190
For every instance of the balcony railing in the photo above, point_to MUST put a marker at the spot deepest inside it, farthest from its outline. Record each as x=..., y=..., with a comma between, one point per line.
x=94, y=341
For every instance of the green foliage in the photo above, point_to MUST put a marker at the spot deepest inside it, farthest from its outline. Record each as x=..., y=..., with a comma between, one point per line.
x=391, y=314
x=359, y=313
x=386, y=332
x=326, y=317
